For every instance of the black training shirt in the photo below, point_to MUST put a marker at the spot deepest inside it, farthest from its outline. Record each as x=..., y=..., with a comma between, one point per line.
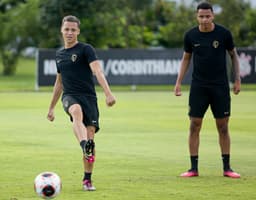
x=209, y=54
x=73, y=65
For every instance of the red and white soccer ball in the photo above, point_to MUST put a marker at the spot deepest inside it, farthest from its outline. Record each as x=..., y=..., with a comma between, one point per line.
x=47, y=185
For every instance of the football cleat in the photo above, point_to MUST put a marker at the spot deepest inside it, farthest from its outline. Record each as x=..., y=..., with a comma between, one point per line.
x=230, y=173
x=87, y=186
x=190, y=173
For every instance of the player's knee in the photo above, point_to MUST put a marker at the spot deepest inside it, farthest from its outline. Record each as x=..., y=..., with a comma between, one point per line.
x=91, y=130
x=195, y=125
x=75, y=110
x=223, y=130
x=222, y=126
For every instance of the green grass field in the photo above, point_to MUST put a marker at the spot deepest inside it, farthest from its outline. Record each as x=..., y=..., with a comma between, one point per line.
x=141, y=149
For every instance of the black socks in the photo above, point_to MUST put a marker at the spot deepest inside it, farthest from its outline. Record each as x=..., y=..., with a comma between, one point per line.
x=87, y=176
x=225, y=160
x=194, y=163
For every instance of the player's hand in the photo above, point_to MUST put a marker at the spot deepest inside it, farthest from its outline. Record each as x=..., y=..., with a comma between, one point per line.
x=177, y=90
x=50, y=115
x=110, y=100
x=237, y=87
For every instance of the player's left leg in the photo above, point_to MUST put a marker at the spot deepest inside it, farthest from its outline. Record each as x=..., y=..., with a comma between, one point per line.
x=224, y=141
x=88, y=160
x=220, y=106
x=224, y=137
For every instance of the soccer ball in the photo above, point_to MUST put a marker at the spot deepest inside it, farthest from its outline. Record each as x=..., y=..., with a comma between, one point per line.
x=47, y=185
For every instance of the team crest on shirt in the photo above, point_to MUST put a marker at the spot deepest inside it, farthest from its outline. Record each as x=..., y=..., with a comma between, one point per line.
x=73, y=57
x=215, y=44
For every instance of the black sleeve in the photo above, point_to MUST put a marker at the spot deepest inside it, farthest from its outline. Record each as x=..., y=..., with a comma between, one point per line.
x=90, y=53
x=56, y=61
x=187, y=43
x=229, y=41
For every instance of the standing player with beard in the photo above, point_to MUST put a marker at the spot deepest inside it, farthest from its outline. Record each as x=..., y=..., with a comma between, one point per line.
x=76, y=65
x=208, y=42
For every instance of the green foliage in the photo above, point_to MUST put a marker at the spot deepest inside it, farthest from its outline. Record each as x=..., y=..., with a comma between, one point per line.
x=235, y=23
x=10, y=59
x=174, y=26
x=119, y=24
x=6, y=5
x=248, y=30
x=104, y=24
x=51, y=13
x=102, y=33
x=24, y=79
x=132, y=24
x=19, y=29
x=138, y=24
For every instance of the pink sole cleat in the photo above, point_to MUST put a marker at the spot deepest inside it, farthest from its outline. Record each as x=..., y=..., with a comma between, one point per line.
x=231, y=174
x=87, y=186
x=190, y=174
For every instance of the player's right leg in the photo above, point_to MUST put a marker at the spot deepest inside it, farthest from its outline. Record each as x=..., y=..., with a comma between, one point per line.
x=74, y=110
x=198, y=104
x=195, y=127
x=77, y=117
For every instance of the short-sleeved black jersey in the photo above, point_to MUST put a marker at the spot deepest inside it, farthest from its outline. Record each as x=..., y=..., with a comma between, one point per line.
x=73, y=65
x=209, y=54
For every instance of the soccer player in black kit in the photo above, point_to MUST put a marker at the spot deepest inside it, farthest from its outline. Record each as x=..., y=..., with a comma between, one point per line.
x=208, y=43
x=76, y=64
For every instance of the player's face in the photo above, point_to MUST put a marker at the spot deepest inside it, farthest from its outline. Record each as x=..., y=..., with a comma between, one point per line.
x=205, y=18
x=70, y=31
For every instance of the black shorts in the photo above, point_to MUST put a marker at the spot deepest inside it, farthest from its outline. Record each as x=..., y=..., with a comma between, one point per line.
x=218, y=97
x=89, y=107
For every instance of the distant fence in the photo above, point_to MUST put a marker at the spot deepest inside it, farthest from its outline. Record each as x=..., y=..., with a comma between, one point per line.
x=140, y=67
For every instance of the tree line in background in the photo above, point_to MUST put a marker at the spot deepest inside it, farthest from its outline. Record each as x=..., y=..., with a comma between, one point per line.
x=113, y=24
